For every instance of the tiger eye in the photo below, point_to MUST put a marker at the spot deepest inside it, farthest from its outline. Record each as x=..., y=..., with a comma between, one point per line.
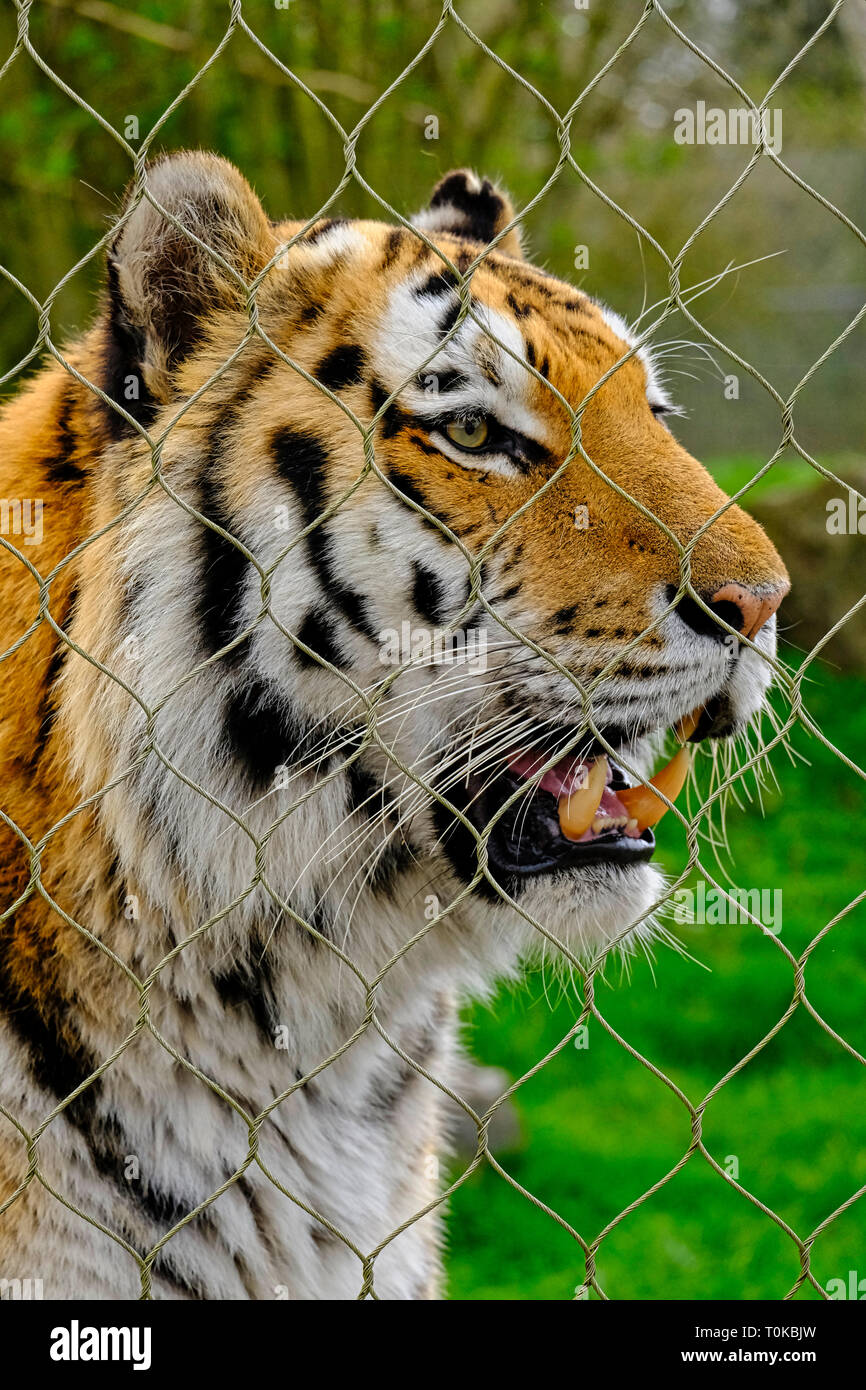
x=468, y=434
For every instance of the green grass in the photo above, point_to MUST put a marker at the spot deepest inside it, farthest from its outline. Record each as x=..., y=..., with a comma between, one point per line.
x=598, y=1129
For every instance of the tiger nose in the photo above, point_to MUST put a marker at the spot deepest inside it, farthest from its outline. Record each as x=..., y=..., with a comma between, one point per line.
x=751, y=610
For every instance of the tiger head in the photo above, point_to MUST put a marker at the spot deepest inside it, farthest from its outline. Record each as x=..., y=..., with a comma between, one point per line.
x=441, y=611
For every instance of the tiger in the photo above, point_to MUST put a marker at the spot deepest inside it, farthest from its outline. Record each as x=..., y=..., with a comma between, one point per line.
x=257, y=851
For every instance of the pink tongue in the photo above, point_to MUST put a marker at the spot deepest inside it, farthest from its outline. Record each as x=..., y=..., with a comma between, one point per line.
x=561, y=779
x=610, y=805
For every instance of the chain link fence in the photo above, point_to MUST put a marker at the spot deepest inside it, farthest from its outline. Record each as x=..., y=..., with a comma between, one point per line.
x=790, y=706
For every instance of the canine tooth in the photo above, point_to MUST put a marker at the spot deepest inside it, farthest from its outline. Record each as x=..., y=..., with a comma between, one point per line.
x=577, y=811
x=685, y=727
x=642, y=803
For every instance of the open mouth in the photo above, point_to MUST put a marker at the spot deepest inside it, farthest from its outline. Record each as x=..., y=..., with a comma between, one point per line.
x=583, y=810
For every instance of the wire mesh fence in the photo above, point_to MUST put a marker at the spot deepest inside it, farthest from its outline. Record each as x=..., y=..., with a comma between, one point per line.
x=694, y=820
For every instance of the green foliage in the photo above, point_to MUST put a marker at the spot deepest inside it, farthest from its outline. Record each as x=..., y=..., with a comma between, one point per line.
x=61, y=175
x=789, y=474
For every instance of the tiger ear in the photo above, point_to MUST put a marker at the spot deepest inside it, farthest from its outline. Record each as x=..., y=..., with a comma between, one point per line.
x=161, y=284
x=462, y=204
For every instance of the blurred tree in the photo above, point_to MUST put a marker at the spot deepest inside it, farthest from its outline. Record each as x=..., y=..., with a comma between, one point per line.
x=61, y=174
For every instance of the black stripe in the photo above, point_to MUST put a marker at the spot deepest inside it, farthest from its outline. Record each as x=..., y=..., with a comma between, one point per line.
x=520, y=310
x=302, y=461
x=240, y=986
x=318, y=634
x=524, y=276
x=224, y=569
x=223, y=566
x=362, y=786
x=322, y=228
x=428, y=593
x=321, y=920
x=48, y=707
x=564, y=617
x=322, y=1237
x=448, y=380
x=393, y=246
x=247, y=1190
x=262, y=731
x=60, y=1061
x=415, y=494
x=510, y=593
x=427, y=448
x=164, y=1268
x=59, y=466
x=394, y=419
x=392, y=861
x=440, y=282
x=343, y=366
x=122, y=355
x=367, y=795
x=448, y=319
x=420, y=1041
x=311, y=313
x=513, y=559
x=459, y=846
x=480, y=209
x=391, y=1084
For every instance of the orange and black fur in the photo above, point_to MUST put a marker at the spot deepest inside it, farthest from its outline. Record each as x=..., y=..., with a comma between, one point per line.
x=214, y=846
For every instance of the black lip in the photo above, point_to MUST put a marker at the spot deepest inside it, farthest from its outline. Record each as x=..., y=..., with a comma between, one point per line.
x=716, y=721
x=613, y=848
x=526, y=842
